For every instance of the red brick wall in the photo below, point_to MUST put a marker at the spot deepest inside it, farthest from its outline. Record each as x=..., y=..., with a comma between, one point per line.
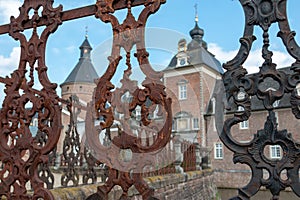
x=228, y=174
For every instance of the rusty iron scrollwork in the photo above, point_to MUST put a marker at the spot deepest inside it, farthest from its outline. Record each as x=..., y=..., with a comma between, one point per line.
x=90, y=172
x=240, y=87
x=44, y=171
x=71, y=146
x=109, y=105
x=20, y=153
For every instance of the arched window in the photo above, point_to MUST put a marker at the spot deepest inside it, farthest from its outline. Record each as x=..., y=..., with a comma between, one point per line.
x=35, y=122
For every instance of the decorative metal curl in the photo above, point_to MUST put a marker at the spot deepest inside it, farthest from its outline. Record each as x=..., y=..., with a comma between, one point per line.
x=71, y=146
x=239, y=88
x=44, y=171
x=21, y=154
x=107, y=103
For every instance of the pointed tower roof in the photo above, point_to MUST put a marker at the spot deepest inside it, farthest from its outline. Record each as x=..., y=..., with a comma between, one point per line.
x=84, y=71
x=197, y=52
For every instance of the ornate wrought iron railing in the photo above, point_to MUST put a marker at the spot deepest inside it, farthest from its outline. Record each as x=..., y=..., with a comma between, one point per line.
x=17, y=140
x=240, y=87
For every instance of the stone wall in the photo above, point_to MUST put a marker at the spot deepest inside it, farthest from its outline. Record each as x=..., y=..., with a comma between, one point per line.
x=197, y=185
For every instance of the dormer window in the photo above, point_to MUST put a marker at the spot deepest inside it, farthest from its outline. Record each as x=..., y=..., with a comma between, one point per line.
x=182, y=55
x=182, y=45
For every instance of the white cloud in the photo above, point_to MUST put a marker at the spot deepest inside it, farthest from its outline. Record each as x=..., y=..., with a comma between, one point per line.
x=10, y=63
x=9, y=8
x=71, y=48
x=254, y=60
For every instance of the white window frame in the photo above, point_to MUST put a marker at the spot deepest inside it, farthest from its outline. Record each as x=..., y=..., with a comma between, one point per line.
x=196, y=126
x=218, y=151
x=243, y=124
x=277, y=118
x=174, y=121
x=138, y=113
x=182, y=91
x=275, y=152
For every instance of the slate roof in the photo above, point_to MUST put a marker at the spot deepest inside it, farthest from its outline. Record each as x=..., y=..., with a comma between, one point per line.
x=84, y=71
x=256, y=104
x=198, y=53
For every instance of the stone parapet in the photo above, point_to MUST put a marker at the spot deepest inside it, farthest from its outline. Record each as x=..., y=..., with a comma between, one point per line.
x=187, y=186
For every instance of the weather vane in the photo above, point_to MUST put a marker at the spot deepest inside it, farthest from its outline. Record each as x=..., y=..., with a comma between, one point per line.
x=86, y=31
x=196, y=12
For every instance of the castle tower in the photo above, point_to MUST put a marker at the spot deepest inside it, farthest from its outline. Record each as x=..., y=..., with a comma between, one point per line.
x=190, y=79
x=81, y=80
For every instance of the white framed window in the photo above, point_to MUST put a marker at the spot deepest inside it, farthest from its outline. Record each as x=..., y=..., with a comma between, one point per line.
x=182, y=91
x=219, y=151
x=196, y=123
x=35, y=122
x=244, y=124
x=173, y=125
x=275, y=152
x=138, y=113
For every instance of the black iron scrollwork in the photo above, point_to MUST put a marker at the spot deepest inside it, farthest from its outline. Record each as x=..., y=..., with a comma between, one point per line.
x=240, y=87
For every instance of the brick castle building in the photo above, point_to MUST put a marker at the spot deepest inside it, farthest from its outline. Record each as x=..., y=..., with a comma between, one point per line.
x=192, y=79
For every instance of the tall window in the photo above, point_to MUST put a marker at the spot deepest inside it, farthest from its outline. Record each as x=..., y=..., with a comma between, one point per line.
x=218, y=150
x=35, y=122
x=243, y=124
x=182, y=91
x=138, y=113
x=196, y=123
x=275, y=151
x=173, y=125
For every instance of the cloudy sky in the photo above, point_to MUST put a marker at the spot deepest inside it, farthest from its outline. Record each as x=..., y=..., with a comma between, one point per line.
x=222, y=21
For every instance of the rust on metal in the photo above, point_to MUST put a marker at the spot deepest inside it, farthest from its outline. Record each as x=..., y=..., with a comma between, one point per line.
x=21, y=152
x=72, y=14
x=71, y=146
x=109, y=104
